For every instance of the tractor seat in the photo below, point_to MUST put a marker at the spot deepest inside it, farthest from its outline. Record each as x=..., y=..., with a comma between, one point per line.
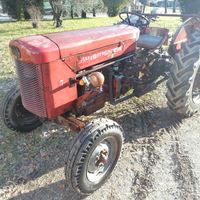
x=151, y=38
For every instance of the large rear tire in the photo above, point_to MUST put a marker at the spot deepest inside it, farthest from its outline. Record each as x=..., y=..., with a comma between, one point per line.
x=93, y=156
x=184, y=83
x=15, y=116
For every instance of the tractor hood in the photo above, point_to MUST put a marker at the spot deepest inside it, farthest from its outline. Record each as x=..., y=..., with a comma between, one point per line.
x=35, y=49
x=80, y=41
x=53, y=46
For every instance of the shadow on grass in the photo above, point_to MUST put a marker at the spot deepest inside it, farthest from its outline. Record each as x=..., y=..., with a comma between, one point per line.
x=138, y=125
x=7, y=21
x=15, y=30
x=78, y=19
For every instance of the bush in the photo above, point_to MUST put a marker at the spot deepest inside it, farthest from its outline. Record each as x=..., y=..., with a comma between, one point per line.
x=114, y=6
x=188, y=7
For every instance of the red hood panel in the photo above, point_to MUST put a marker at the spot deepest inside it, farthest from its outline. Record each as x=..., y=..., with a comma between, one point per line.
x=35, y=49
x=53, y=46
x=84, y=40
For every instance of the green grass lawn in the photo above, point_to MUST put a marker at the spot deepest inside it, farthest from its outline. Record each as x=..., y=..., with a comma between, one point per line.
x=9, y=141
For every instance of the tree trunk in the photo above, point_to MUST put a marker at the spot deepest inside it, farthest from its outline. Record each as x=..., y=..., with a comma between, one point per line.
x=144, y=8
x=83, y=14
x=165, y=6
x=59, y=20
x=57, y=14
x=72, y=11
x=20, y=10
x=35, y=24
x=174, y=6
x=94, y=12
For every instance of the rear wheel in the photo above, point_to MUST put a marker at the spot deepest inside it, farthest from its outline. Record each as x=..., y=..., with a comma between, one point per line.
x=15, y=116
x=184, y=84
x=93, y=156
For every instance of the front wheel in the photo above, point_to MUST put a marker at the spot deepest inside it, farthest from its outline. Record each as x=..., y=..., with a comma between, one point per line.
x=93, y=156
x=184, y=84
x=15, y=116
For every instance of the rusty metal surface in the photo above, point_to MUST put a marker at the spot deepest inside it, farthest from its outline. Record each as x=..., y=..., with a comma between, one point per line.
x=98, y=67
x=31, y=87
x=102, y=158
x=99, y=55
x=76, y=42
x=95, y=102
x=81, y=99
x=58, y=93
x=71, y=122
x=35, y=49
x=87, y=47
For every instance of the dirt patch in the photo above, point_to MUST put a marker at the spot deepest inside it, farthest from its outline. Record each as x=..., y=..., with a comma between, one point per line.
x=160, y=158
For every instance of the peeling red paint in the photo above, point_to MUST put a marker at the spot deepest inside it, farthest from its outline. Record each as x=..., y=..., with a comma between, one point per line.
x=36, y=49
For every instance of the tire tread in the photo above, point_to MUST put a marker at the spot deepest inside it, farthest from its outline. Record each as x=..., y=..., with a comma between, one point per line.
x=79, y=149
x=182, y=77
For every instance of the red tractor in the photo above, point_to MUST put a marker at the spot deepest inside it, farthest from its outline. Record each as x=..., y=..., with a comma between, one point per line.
x=68, y=74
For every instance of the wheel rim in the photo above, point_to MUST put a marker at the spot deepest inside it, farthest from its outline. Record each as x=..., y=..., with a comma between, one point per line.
x=102, y=159
x=23, y=116
x=196, y=89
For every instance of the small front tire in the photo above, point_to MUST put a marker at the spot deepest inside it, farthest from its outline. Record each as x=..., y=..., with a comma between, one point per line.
x=93, y=156
x=15, y=116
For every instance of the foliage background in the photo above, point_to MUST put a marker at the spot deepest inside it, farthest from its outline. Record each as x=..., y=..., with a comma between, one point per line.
x=189, y=7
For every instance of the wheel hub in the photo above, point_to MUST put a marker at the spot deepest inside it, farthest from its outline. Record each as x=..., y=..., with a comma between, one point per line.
x=101, y=158
x=22, y=115
x=98, y=162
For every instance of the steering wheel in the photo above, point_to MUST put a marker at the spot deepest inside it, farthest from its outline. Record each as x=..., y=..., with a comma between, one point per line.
x=129, y=21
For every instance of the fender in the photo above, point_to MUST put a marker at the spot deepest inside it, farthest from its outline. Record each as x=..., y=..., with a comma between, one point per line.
x=183, y=34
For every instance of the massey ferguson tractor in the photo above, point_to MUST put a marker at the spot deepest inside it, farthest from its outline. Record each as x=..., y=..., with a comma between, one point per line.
x=65, y=75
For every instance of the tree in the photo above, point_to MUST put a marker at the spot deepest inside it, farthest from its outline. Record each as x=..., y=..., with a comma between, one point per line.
x=34, y=9
x=174, y=6
x=144, y=2
x=114, y=6
x=165, y=6
x=58, y=7
x=35, y=15
x=188, y=7
x=14, y=8
x=82, y=6
x=17, y=8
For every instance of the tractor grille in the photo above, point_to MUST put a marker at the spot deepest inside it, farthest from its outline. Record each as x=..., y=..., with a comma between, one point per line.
x=31, y=87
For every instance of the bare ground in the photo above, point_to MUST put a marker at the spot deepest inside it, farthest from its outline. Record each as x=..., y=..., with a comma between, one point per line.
x=160, y=158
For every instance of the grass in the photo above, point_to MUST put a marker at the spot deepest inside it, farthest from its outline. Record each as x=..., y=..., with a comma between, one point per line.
x=11, y=142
